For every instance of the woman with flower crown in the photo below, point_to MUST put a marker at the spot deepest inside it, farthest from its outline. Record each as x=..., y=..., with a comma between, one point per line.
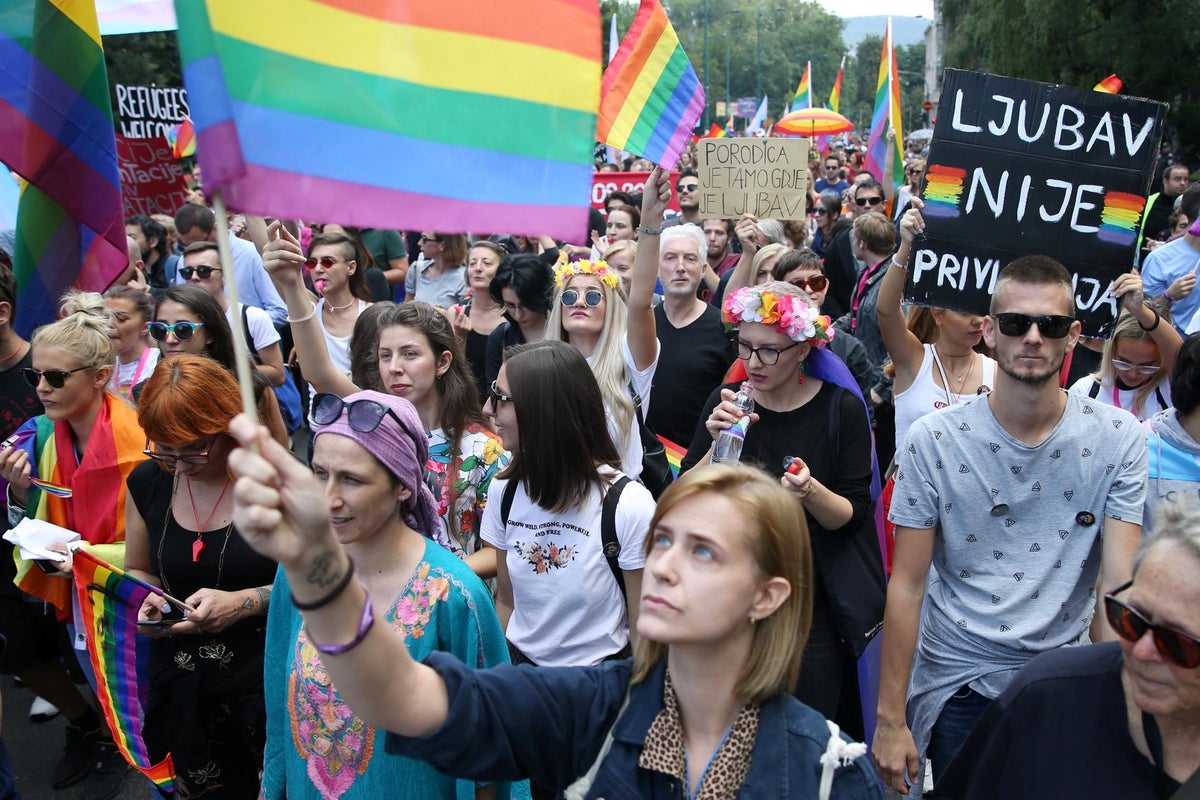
x=616, y=337
x=810, y=428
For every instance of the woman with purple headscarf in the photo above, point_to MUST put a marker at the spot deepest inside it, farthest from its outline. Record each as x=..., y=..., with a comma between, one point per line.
x=370, y=452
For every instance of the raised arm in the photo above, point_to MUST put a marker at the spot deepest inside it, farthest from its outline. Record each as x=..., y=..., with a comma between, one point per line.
x=279, y=509
x=640, y=333
x=902, y=345
x=1128, y=288
x=746, y=231
x=284, y=262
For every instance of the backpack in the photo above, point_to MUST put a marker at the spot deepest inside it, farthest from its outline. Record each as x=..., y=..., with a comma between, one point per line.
x=286, y=393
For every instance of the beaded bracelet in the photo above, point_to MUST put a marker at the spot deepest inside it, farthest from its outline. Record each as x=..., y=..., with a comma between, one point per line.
x=365, y=622
x=312, y=313
x=329, y=598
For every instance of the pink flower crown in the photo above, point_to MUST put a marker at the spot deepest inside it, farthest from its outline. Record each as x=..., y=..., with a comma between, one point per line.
x=597, y=269
x=792, y=316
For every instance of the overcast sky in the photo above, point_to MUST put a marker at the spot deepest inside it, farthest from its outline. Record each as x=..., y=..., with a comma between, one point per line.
x=867, y=8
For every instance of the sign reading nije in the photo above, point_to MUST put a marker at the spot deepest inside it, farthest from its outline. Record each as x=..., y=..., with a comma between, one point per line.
x=764, y=177
x=1022, y=168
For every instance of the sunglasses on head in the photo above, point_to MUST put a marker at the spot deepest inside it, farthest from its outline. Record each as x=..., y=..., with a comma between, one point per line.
x=325, y=261
x=687, y=187
x=57, y=378
x=1052, y=326
x=862, y=201
x=1178, y=648
x=180, y=330
x=204, y=272
x=363, y=415
x=591, y=297
x=813, y=283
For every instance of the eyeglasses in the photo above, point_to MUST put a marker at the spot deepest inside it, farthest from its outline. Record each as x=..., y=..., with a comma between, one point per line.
x=204, y=272
x=813, y=283
x=1135, y=369
x=363, y=415
x=497, y=397
x=1052, y=326
x=325, y=261
x=832, y=166
x=513, y=308
x=180, y=330
x=768, y=356
x=592, y=297
x=821, y=211
x=169, y=460
x=57, y=378
x=862, y=201
x=686, y=187
x=433, y=238
x=1178, y=648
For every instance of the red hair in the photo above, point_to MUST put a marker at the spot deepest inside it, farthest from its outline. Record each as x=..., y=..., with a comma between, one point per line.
x=186, y=399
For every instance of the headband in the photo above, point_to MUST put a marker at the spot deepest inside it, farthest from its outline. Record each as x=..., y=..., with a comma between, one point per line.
x=791, y=315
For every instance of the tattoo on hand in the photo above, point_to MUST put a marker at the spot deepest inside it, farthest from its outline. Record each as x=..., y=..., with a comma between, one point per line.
x=324, y=570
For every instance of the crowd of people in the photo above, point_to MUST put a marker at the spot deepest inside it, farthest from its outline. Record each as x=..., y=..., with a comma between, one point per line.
x=470, y=437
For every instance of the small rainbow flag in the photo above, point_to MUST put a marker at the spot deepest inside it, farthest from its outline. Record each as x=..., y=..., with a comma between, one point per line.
x=675, y=455
x=1119, y=218
x=803, y=97
x=715, y=132
x=943, y=190
x=650, y=98
x=109, y=600
x=452, y=115
x=1110, y=85
x=886, y=114
x=56, y=131
x=835, y=96
x=50, y=487
x=182, y=138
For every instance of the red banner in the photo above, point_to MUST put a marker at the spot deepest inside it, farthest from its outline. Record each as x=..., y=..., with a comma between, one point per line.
x=632, y=182
x=151, y=180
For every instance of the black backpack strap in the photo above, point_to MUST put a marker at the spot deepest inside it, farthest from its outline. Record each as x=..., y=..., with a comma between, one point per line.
x=506, y=501
x=246, y=330
x=608, y=531
x=1162, y=401
x=1094, y=390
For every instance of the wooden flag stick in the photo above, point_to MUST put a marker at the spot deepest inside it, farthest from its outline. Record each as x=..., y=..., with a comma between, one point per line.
x=241, y=357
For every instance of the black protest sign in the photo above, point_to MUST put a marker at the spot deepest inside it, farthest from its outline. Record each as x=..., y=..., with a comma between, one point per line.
x=764, y=177
x=1023, y=168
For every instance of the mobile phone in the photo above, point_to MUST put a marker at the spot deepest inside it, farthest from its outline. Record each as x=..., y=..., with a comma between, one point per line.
x=47, y=566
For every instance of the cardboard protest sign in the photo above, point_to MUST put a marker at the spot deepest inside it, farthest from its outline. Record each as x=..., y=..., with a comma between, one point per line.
x=764, y=177
x=1023, y=168
x=633, y=182
x=151, y=180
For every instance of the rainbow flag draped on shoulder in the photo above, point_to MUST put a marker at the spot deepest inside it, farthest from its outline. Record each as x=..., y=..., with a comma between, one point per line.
x=452, y=115
x=56, y=132
x=651, y=98
x=109, y=601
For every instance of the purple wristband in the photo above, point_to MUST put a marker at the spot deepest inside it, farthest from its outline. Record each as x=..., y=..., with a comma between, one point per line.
x=365, y=623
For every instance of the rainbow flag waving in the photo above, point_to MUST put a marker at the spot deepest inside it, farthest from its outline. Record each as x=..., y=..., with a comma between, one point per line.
x=56, y=132
x=650, y=98
x=835, y=96
x=1110, y=85
x=887, y=110
x=452, y=115
x=109, y=601
x=803, y=98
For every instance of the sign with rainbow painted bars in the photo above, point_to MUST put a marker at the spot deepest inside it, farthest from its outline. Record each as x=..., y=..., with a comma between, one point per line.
x=1023, y=168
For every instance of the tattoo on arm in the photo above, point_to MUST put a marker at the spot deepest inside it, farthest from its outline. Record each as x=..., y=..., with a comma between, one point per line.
x=264, y=598
x=324, y=569
x=248, y=604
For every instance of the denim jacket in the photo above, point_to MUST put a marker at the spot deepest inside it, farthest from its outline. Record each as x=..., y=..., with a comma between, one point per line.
x=549, y=724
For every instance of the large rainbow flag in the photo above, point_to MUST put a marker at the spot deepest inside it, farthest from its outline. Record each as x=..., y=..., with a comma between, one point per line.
x=452, y=115
x=56, y=132
x=803, y=96
x=887, y=110
x=651, y=98
x=109, y=601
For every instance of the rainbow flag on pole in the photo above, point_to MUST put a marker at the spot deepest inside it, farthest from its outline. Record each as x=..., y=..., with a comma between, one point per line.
x=887, y=110
x=803, y=97
x=109, y=601
x=651, y=98
x=56, y=132
x=835, y=96
x=452, y=115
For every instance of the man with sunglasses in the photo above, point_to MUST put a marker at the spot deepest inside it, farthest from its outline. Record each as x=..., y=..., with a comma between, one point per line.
x=1129, y=714
x=842, y=265
x=687, y=189
x=831, y=179
x=1019, y=500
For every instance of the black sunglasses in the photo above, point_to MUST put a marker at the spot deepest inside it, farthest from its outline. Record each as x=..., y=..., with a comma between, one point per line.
x=363, y=415
x=57, y=378
x=862, y=201
x=496, y=396
x=1052, y=326
x=591, y=297
x=180, y=330
x=1178, y=648
x=687, y=187
x=204, y=272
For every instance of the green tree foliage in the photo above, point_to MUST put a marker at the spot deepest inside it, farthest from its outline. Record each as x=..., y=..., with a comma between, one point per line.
x=142, y=59
x=1150, y=44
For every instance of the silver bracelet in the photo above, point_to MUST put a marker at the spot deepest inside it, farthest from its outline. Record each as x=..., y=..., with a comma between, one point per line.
x=312, y=313
x=652, y=231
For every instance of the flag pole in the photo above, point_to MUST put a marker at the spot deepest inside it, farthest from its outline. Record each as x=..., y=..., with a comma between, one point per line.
x=241, y=359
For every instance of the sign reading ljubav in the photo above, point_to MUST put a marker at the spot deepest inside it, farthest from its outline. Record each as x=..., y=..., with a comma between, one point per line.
x=764, y=177
x=1022, y=168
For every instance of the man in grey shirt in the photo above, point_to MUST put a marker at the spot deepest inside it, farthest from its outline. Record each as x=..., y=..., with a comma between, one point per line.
x=1019, y=500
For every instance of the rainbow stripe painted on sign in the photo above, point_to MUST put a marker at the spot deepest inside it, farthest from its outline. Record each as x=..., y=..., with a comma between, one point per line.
x=650, y=99
x=943, y=190
x=451, y=116
x=1119, y=218
x=108, y=602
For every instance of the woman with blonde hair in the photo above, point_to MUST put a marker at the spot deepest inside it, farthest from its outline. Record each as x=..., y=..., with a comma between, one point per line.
x=703, y=708
x=620, y=257
x=440, y=278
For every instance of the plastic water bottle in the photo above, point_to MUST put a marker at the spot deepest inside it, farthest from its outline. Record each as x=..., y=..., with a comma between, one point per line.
x=728, y=449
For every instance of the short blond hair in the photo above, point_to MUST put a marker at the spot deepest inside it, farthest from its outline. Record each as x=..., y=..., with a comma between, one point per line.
x=777, y=535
